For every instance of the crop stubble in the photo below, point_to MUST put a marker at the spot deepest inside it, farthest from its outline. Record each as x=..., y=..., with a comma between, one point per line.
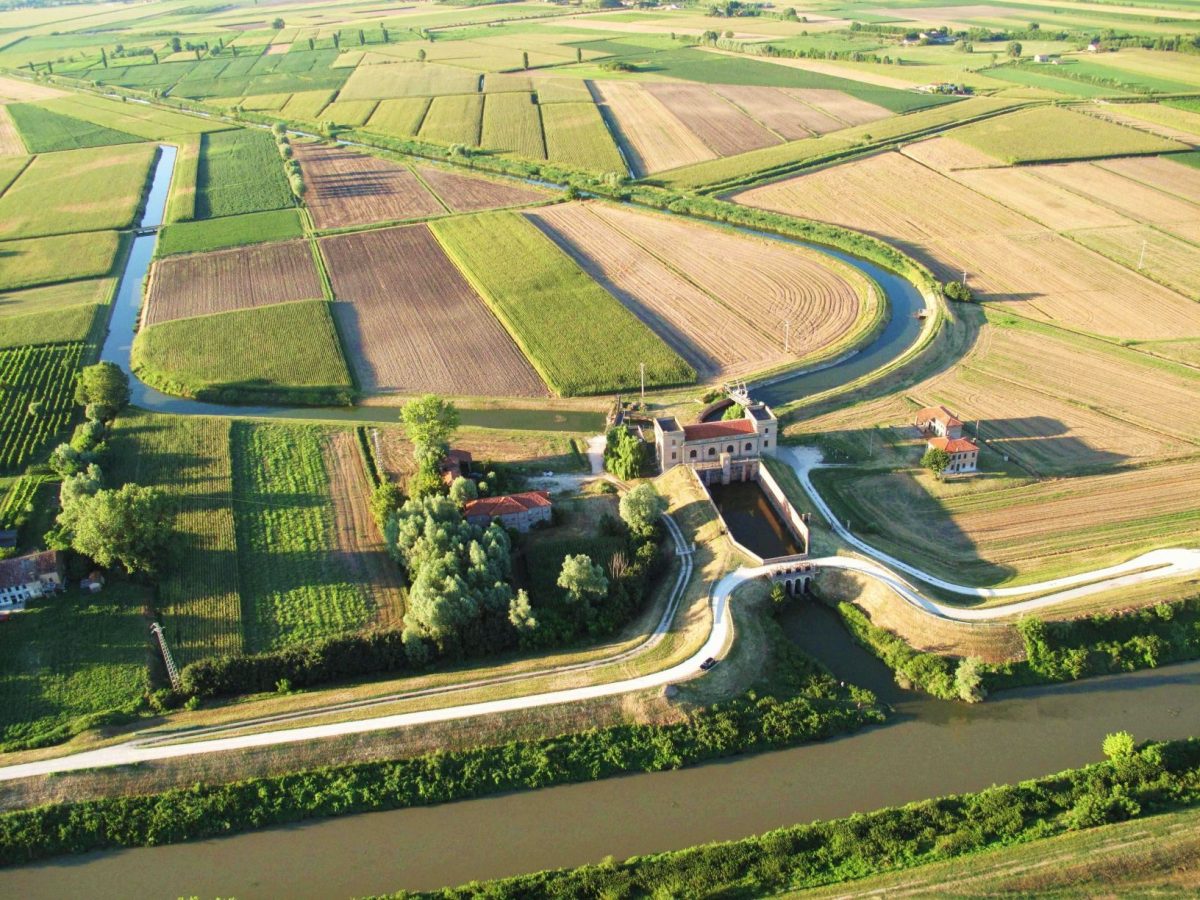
x=655, y=139
x=468, y=193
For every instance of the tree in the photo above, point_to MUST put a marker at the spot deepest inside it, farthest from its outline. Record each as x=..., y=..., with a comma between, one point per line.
x=524, y=59
x=420, y=54
x=968, y=680
x=463, y=490
x=103, y=383
x=520, y=613
x=311, y=43
x=735, y=411
x=582, y=579
x=936, y=460
x=362, y=38
x=176, y=46
x=277, y=24
x=1013, y=49
x=578, y=54
x=429, y=422
x=1118, y=746
x=625, y=454
x=103, y=58
x=642, y=508
x=66, y=460
x=129, y=526
x=956, y=290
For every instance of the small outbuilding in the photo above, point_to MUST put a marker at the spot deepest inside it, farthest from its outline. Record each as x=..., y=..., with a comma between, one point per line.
x=939, y=422
x=93, y=584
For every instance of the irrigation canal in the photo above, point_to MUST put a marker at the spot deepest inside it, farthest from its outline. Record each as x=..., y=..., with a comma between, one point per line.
x=928, y=748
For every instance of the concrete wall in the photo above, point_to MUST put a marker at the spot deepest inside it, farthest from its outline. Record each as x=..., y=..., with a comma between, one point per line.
x=783, y=507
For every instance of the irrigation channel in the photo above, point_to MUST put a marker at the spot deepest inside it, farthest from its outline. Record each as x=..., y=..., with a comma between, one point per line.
x=928, y=748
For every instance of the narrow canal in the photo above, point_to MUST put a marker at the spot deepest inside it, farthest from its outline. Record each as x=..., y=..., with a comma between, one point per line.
x=752, y=521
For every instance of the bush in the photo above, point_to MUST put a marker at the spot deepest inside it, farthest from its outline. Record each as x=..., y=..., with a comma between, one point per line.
x=927, y=671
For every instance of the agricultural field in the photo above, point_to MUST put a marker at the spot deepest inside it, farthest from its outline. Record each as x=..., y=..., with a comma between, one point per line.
x=400, y=118
x=578, y=337
x=37, y=403
x=239, y=172
x=403, y=308
x=453, y=119
x=188, y=458
x=512, y=124
x=62, y=257
x=242, y=278
x=145, y=122
x=346, y=188
x=181, y=199
x=288, y=351
x=472, y=193
x=66, y=324
x=44, y=131
x=44, y=199
x=230, y=231
x=654, y=138
x=10, y=140
x=296, y=584
x=720, y=125
x=54, y=297
x=577, y=136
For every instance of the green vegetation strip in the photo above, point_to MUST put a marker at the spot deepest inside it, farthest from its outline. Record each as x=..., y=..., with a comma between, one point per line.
x=230, y=231
x=1131, y=784
x=579, y=337
x=286, y=353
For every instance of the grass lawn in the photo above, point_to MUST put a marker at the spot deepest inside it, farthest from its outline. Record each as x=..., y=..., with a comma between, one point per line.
x=286, y=350
x=240, y=172
x=230, y=231
x=71, y=657
x=45, y=131
x=579, y=337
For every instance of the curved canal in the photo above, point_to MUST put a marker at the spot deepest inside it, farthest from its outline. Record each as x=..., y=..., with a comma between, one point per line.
x=928, y=748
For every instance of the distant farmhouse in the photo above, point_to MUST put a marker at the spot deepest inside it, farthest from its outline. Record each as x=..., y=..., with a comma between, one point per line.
x=943, y=431
x=518, y=511
x=29, y=577
x=724, y=451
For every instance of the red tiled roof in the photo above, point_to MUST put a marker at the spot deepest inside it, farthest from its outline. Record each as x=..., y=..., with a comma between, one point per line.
x=705, y=431
x=955, y=445
x=939, y=414
x=27, y=569
x=506, y=505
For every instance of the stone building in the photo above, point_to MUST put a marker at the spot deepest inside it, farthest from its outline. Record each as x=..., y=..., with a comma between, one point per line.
x=29, y=577
x=724, y=451
x=943, y=431
x=518, y=511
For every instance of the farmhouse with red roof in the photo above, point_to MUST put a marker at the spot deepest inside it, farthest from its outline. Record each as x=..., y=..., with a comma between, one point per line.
x=943, y=431
x=937, y=420
x=517, y=511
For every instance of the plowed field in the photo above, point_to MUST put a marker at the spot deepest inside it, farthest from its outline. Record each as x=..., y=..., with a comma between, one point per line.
x=947, y=155
x=841, y=105
x=204, y=283
x=714, y=338
x=1136, y=200
x=654, y=137
x=467, y=193
x=10, y=141
x=1159, y=172
x=346, y=188
x=411, y=322
x=782, y=113
x=713, y=119
x=1054, y=206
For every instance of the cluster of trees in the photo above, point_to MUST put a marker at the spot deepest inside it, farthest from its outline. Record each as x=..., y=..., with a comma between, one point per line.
x=625, y=454
x=126, y=526
x=291, y=165
x=956, y=290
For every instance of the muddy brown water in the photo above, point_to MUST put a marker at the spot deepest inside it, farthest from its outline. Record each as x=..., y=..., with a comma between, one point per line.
x=929, y=748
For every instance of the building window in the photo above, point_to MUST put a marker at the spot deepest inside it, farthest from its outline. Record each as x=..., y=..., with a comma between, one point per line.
x=692, y=454
x=729, y=449
x=674, y=455
x=749, y=446
x=712, y=451
x=766, y=444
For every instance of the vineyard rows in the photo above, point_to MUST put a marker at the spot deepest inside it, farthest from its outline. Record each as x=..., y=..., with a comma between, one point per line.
x=16, y=501
x=36, y=401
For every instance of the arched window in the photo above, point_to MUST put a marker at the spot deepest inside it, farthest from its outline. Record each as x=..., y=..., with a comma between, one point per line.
x=729, y=449
x=692, y=454
x=749, y=446
x=712, y=451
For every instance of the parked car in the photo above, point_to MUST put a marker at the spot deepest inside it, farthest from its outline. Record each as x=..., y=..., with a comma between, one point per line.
x=707, y=664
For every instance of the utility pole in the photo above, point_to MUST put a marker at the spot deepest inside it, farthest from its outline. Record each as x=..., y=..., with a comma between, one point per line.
x=1142, y=256
x=964, y=277
x=643, y=365
x=787, y=336
x=172, y=672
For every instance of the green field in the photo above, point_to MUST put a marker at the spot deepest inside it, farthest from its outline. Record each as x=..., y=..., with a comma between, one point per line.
x=511, y=124
x=577, y=136
x=60, y=325
x=295, y=586
x=351, y=113
x=47, y=260
x=1044, y=77
x=1048, y=134
x=69, y=658
x=45, y=131
x=399, y=118
x=46, y=198
x=53, y=297
x=181, y=198
x=138, y=119
x=453, y=119
x=188, y=458
x=10, y=168
x=37, y=402
x=579, y=337
x=287, y=351
x=239, y=172
x=230, y=231
x=307, y=104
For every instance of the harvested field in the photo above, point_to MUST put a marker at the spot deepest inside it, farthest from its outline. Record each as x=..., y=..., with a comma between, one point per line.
x=454, y=120
x=16, y=90
x=1182, y=127
x=407, y=79
x=715, y=339
x=400, y=118
x=718, y=123
x=951, y=210
x=412, y=323
x=577, y=136
x=947, y=155
x=472, y=193
x=352, y=113
x=1159, y=172
x=778, y=110
x=307, y=104
x=654, y=138
x=841, y=105
x=10, y=140
x=512, y=124
x=356, y=535
x=767, y=281
x=1157, y=255
x=346, y=188
x=1055, y=207
x=242, y=278
x=1136, y=200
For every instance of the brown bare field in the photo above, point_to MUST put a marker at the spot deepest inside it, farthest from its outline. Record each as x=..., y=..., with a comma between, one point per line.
x=14, y=90
x=782, y=113
x=346, y=188
x=1138, y=201
x=654, y=138
x=713, y=119
x=877, y=194
x=714, y=338
x=1052, y=278
x=769, y=282
x=1054, y=206
x=1159, y=172
x=471, y=193
x=356, y=535
x=277, y=49
x=841, y=105
x=947, y=155
x=10, y=140
x=411, y=322
x=1185, y=351
x=203, y=283
x=1160, y=256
